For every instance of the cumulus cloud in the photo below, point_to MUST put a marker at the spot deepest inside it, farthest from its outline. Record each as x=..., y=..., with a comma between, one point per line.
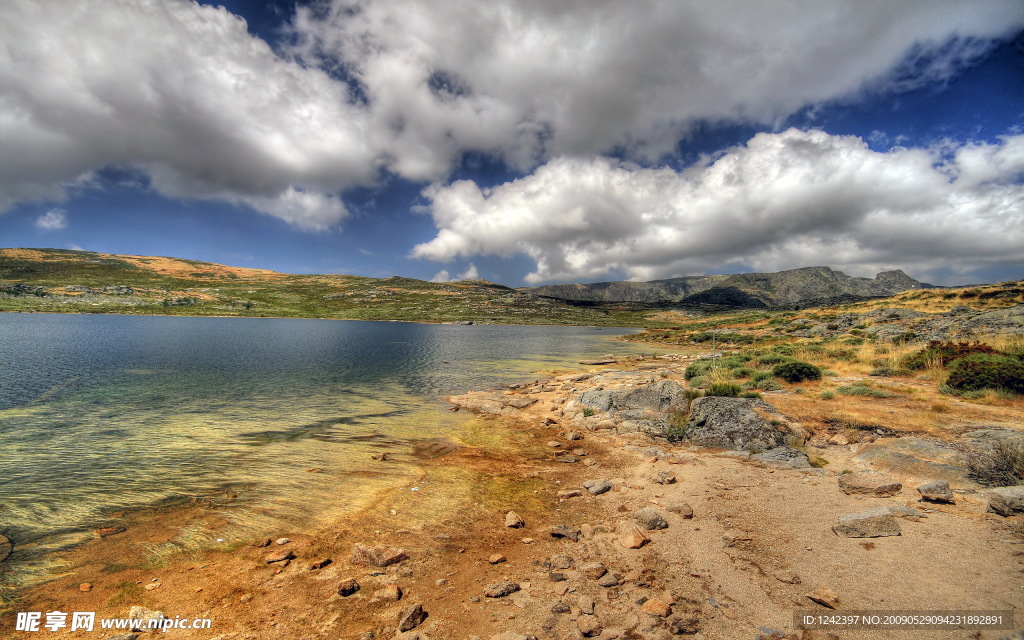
x=180, y=91
x=444, y=275
x=53, y=220
x=183, y=93
x=531, y=80
x=784, y=200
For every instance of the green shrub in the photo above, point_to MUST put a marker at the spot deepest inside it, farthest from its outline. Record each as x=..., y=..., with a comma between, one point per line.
x=997, y=465
x=723, y=389
x=588, y=411
x=750, y=394
x=699, y=381
x=767, y=384
x=796, y=371
x=743, y=372
x=772, y=359
x=697, y=369
x=827, y=395
x=862, y=389
x=944, y=353
x=761, y=375
x=986, y=371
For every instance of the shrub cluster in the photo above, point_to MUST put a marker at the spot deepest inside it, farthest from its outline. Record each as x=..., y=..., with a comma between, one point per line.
x=796, y=371
x=944, y=353
x=986, y=371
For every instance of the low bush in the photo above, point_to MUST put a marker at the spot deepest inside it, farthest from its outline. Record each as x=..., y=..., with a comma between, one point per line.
x=862, y=389
x=986, y=371
x=943, y=353
x=772, y=359
x=997, y=465
x=724, y=389
x=796, y=371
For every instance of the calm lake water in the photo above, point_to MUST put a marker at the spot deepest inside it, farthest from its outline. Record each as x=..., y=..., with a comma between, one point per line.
x=105, y=413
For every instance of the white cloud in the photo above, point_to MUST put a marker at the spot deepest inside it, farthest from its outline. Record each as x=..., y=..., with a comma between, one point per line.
x=184, y=93
x=444, y=275
x=53, y=220
x=532, y=80
x=784, y=200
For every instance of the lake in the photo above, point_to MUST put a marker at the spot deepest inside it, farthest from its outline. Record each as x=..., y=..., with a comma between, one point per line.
x=101, y=413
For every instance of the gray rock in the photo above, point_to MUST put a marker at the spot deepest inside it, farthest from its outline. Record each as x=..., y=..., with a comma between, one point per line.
x=936, y=492
x=514, y=520
x=913, y=456
x=597, y=487
x=732, y=423
x=411, y=617
x=650, y=519
x=784, y=457
x=1006, y=501
x=682, y=508
x=147, y=619
x=665, y=477
x=876, y=523
x=500, y=589
x=561, y=561
x=562, y=531
x=870, y=483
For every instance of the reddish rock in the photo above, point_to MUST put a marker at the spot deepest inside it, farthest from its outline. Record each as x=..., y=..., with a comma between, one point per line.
x=377, y=556
x=411, y=617
x=631, y=537
x=103, y=532
x=279, y=556
x=825, y=597
x=348, y=587
x=656, y=607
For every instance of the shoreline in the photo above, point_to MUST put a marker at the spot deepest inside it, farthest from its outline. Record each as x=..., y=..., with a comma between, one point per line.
x=745, y=541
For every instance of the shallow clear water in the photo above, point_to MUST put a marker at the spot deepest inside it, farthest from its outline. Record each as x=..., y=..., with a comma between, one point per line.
x=103, y=413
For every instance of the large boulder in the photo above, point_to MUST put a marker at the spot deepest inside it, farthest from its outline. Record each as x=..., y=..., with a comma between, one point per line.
x=665, y=396
x=1006, y=501
x=734, y=424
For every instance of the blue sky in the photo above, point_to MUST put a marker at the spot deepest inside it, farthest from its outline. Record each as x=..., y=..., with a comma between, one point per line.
x=520, y=142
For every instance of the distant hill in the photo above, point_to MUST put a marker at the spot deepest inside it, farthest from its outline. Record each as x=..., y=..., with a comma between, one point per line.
x=59, y=280
x=809, y=286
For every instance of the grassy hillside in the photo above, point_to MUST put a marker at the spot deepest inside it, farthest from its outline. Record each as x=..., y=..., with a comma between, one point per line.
x=54, y=280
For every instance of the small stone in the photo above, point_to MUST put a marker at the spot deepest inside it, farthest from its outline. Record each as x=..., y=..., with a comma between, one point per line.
x=377, y=556
x=411, y=617
x=681, y=508
x=656, y=607
x=348, y=587
x=650, y=519
x=573, y=435
x=593, y=570
x=588, y=626
x=610, y=580
x=266, y=542
x=561, y=561
x=390, y=592
x=152, y=586
x=497, y=558
x=528, y=540
x=514, y=521
x=597, y=487
x=560, y=607
x=839, y=439
x=586, y=605
x=787, y=576
x=554, y=576
x=143, y=617
x=587, y=531
x=320, y=564
x=562, y=531
x=103, y=532
x=936, y=492
x=870, y=483
x=85, y=586
x=282, y=541
x=440, y=582
x=554, y=443
x=825, y=597
x=579, y=452
x=631, y=537
x=876, y=523
x=279, y=556
x=569, y=493
x=500, y=589
x=665, y=477
x=733, y=537
x=568, y=459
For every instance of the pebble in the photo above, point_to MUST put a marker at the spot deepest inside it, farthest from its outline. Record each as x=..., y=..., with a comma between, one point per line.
x=632, y=537
x=497, y=558
x=279, y=556
x=656, y=607
x=651, y=519
x=513, y=520
x=348, y=587
x=824, y=596
x=593, y=570
x=411, y=617
x=283, y=541
x=501, y=589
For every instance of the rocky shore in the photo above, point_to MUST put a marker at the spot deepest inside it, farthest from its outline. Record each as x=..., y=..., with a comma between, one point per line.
x=608, y=503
